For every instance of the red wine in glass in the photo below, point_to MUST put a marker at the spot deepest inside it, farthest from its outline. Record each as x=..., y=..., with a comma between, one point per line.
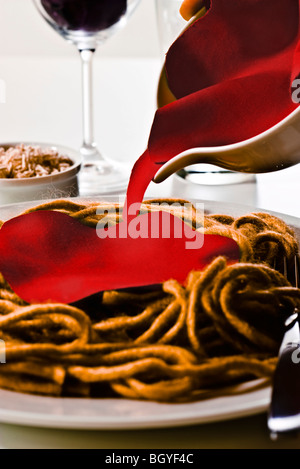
x=87, y=23
x=90, y=16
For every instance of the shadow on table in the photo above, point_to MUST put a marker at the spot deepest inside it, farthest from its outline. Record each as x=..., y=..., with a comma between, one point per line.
x=242, y=433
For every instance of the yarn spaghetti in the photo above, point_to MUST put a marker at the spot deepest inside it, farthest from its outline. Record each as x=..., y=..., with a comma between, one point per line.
x=170, y=343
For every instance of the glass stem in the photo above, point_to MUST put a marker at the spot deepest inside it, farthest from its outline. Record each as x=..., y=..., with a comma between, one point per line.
x=88, y=150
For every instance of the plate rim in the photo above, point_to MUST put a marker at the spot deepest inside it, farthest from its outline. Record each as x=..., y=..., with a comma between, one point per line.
x=243, y=408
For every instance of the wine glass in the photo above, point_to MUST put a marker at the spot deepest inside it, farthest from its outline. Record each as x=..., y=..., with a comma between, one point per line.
x=86, y=24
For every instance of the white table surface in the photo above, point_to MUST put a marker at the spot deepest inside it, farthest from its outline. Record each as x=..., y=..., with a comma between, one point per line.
x=43, y=103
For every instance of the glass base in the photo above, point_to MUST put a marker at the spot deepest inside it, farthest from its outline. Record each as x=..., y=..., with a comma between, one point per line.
x=99, y=178
x=211, y=175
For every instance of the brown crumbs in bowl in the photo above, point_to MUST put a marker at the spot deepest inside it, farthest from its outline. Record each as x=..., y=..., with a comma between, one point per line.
x=26, y=161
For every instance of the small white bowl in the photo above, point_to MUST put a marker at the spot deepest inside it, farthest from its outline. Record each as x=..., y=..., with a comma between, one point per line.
x=63, y=184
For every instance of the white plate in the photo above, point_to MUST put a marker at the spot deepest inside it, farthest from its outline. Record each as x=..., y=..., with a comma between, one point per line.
x=101, y=414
